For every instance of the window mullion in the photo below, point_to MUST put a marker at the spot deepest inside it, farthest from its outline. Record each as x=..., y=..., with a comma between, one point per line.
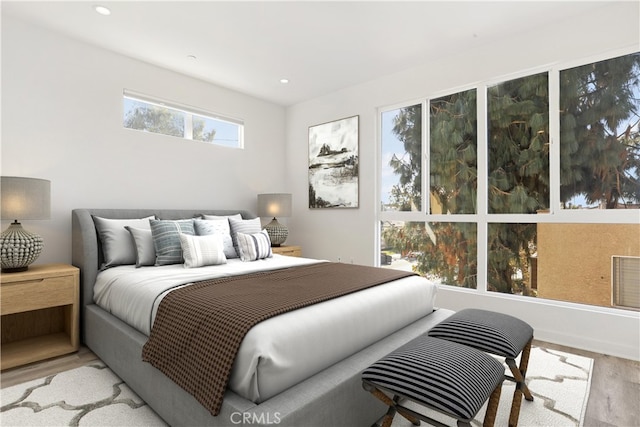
x=554, y=141
x=188, y=125
x=483, y=190
x=426, y=169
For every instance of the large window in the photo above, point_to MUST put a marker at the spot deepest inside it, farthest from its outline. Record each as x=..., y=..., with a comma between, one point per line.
x=402, y=159
x=475, y=193
x=518, y=145
x=599, y=135
x=453, y=159
x=147, y=114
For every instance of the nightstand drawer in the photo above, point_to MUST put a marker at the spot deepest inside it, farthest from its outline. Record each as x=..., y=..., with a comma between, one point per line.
x=36, y=294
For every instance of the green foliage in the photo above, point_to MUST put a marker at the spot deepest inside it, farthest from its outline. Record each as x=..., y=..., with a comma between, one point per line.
x=510, y=248
x=165, y=121
x=600, y=132
x=453, y=153
x=600, y=158
x=519, y=145
x=408, y=128
x=198, y=131
x=152, y=118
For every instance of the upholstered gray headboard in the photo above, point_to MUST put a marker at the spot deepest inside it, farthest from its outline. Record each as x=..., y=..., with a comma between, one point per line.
x=86, y=248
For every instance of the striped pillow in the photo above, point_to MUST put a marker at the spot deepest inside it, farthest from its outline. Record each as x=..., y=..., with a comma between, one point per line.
x=254, y=246
x=199, y=251
x=166, y=239
x=246, y=226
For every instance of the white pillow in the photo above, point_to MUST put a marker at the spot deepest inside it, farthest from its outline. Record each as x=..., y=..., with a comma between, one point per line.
x=235, y=216
x=199, y=251
x=254, y=246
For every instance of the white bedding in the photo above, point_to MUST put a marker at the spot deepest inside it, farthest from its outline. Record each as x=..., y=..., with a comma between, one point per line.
x=284, y=350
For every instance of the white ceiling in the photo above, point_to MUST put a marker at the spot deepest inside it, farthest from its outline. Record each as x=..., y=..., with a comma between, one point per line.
x=320, y=47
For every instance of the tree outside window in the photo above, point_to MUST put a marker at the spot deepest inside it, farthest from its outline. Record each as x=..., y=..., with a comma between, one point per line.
x=600, y=168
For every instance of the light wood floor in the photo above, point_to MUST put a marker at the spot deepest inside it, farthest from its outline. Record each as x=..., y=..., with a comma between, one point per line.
x=614, y=399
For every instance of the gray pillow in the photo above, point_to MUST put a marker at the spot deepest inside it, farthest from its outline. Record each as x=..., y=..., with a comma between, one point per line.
x=145, y=252
x=118, y=247
x=246, y=226
x=166, y=239
x=205, y=227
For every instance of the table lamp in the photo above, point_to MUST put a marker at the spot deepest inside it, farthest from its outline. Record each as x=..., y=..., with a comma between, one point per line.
x=22, y=198
x=273, y=205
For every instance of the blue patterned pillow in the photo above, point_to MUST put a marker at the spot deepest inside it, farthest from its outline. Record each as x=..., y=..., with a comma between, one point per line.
x=166, y=239
x=205, y=227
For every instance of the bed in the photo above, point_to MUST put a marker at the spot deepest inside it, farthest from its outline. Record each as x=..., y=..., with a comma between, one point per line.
x=327, y=393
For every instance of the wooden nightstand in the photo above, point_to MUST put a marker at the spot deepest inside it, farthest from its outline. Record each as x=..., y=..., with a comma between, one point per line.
x=39, y=309
x=287, y=250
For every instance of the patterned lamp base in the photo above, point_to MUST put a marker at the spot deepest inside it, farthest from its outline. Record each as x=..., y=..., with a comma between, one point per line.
x=277, y=232
x=18, y=248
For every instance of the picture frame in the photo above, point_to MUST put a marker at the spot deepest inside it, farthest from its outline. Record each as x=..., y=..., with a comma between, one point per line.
x=334, y=164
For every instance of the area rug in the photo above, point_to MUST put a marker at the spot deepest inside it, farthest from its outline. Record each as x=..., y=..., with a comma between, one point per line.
x=93, y=395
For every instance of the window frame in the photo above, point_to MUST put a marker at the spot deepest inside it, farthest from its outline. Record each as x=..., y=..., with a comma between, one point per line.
x=189, y=112
x=482, y=217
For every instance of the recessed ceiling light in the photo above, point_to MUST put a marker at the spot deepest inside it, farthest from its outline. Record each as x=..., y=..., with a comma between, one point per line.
x=284, y=81
x=102, y=10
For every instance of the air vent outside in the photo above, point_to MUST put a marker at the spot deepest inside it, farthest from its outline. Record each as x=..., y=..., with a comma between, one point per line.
x=625, y=282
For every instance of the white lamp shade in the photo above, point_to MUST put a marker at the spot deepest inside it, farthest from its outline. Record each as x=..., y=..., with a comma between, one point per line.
x=25, y=198
x=274, y=205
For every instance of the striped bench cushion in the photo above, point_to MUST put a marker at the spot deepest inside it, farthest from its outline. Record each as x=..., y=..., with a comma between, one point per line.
x=439, y=374
x=492, y=332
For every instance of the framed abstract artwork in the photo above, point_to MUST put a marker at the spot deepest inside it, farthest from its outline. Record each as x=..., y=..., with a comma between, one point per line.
x=333, y=164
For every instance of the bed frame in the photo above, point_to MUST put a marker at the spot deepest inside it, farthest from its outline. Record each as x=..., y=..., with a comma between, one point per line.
x=333, y=397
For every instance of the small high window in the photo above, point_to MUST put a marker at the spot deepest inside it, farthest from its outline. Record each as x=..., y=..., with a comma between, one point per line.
x=147, y=114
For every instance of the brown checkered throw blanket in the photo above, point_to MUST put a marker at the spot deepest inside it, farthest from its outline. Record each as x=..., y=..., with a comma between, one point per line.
x=199, y=328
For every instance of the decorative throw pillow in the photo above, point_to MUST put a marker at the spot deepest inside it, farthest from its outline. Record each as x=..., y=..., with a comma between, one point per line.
x=235, y=216
x=145, y=252
x=117, y=246
x=246, y=226
x=199, y=251
x=254, y=246
x=166, y=239
x=219, y=227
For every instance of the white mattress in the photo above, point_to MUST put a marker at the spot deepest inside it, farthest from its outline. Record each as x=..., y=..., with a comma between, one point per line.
x=284, y=350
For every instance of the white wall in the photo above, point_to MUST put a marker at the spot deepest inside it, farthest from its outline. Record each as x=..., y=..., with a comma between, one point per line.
x=62, y=121
x=350, y=234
